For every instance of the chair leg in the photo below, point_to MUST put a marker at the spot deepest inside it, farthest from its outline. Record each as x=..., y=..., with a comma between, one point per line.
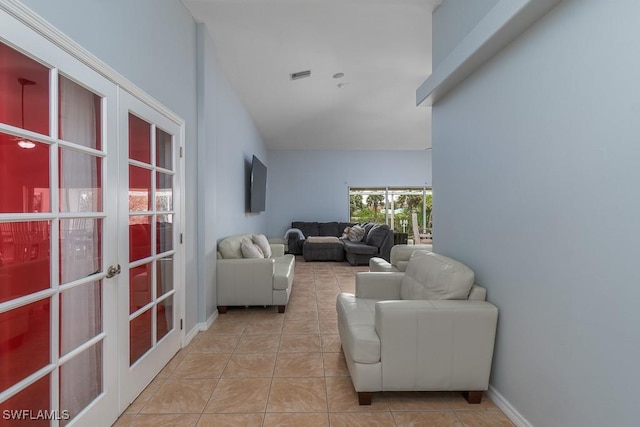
x=364, y=397
x=222, y=309
x=282, y=308
x=473, y=397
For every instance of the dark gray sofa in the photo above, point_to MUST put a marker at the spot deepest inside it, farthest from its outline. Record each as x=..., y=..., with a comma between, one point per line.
x=333, y=229
x=377, y=242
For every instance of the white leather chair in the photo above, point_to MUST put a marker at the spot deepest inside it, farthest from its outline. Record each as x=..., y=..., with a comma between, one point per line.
x=252, y=281
x=399, y=258
x=426, y=329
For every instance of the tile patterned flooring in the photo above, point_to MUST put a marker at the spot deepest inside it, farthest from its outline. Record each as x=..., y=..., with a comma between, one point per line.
x=255, y=367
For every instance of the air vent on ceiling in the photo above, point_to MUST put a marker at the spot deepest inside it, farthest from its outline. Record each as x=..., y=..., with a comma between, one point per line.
x=300, y=75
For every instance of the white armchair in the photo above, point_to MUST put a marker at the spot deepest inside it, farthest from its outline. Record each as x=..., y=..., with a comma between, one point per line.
x=429, y=328
x=252, y=281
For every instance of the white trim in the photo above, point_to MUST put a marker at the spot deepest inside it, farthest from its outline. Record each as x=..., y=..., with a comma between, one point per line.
x=507, y=408
x=499, y=27
x=203, y=326
x=32, y=20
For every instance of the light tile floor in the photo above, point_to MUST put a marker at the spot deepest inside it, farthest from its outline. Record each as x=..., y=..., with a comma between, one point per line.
x=255, y=367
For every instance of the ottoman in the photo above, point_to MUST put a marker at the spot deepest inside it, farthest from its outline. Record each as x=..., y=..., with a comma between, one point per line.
x=323, y=248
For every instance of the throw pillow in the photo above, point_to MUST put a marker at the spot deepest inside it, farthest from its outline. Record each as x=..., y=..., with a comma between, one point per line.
x=249, y=250
x=356, y=233
x=260, y=240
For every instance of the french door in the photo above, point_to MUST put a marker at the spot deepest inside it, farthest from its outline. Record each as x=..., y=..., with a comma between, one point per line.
x=149, y=200
x=58, y=174
x=90, y=219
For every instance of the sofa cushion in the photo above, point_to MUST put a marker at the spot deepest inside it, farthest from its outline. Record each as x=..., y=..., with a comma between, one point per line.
x=260, y=240
x=431, y=276
x=359, y=248
x=377, y=235
x=307, y=228
x=356, y=233
x=329, y=229
x=356, y=317
x=249, y=250
x=367, y=228
x=229, y=248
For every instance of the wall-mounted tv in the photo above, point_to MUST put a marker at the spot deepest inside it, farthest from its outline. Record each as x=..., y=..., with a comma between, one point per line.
x=258, y=186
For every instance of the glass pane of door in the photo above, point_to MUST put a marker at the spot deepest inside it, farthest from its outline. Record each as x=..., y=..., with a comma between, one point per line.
x=24, y=84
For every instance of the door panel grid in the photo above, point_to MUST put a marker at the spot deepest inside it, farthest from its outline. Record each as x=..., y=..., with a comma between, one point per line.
x=52, y=326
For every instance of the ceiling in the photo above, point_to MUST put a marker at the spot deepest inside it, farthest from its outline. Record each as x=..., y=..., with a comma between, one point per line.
x=383, y=47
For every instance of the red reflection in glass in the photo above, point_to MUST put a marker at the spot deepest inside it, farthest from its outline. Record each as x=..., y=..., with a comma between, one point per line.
x=139, y=336
x=24, y=342
x=139, y=237
x=81, y=381
x=164, y=233
x=34, y=398
x=139, y=189
x=164, y=317
x=80, y=179
x=80, y=248
x=24, y=174
x=24, y=258
x=164, y=192
x=164, y=276
x=139, y=287
x=24, y=85
x=164, y=149
x=80, y=315
x=139, y=139
x=80, y=114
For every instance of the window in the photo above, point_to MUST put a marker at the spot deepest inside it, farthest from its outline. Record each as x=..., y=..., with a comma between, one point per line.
x=393, y=206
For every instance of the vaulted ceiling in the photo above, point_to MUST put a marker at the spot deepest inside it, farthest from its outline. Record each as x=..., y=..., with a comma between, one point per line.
x=383, y=47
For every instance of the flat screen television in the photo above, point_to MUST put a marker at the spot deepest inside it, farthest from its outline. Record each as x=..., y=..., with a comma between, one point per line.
x=258, y=185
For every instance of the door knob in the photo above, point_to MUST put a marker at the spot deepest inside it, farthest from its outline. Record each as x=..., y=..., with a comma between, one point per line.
x=113, y=270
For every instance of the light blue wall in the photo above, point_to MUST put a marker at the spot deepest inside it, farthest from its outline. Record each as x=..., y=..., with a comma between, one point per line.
x=227, y=139
x=536, y=161
x=305, y=185
x=452, y=21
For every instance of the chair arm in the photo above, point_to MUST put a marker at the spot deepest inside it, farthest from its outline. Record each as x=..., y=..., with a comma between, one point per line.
x=378, y=285
x=444, y=342
x=277, y=250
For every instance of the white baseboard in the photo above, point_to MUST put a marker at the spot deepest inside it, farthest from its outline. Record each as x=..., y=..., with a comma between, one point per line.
x=206, y=325
x=198, y=328
x=507, y=408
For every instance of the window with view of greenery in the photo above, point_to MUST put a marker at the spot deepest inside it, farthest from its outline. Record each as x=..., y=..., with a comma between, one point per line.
x=393, y=206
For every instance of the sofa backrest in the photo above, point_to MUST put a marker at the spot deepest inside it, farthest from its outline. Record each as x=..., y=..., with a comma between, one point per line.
x=307, y=228
x=229, y=247
x=431, y=276
x=400, y=254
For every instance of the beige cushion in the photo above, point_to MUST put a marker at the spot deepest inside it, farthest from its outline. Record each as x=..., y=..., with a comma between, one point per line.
x=431, y=276
x=249, y=250
x=261, y=241
x=229, y=248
